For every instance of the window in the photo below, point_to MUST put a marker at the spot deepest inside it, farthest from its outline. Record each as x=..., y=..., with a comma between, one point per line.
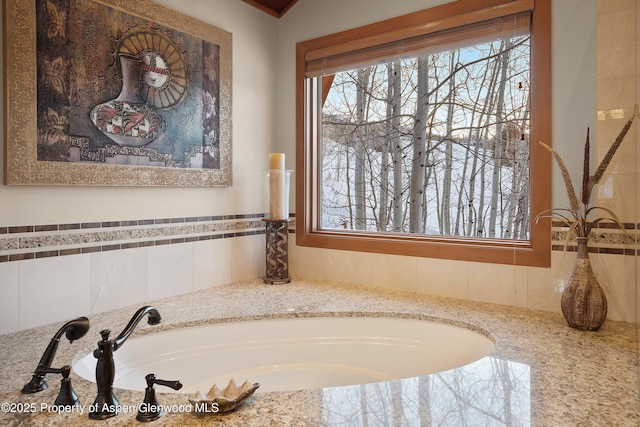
x=418, y=135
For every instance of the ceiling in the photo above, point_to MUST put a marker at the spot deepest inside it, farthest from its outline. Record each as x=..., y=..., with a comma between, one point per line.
x=275, y=8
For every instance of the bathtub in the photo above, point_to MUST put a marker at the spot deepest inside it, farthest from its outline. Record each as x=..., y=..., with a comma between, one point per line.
x=294, y=353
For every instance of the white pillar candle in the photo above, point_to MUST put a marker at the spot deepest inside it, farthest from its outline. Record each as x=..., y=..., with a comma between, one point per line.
x=277, y=199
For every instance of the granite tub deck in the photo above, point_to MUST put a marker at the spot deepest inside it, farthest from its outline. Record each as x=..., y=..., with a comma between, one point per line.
x=542, y=372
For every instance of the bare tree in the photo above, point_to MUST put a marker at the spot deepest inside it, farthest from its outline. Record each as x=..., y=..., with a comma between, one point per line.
x=430, y=145
x=474, y=221
x=396, y=146
x=360, y=197
x=384, y=155
x=497, y=149
x=419, y=149
x=448, y=155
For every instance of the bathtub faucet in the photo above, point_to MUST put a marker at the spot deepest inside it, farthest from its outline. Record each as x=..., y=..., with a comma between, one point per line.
x=73, y=330
x=106, y=405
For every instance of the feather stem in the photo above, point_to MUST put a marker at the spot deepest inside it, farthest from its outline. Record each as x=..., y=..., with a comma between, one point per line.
x=586, y=190
x=607, y=158
x=573, y=198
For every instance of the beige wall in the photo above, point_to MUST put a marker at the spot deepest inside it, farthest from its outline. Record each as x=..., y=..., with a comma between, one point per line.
x=574, y=109
x=254, y=95
x=618, y=84
x=617, y=91
x=263, y=112
x=38, y=291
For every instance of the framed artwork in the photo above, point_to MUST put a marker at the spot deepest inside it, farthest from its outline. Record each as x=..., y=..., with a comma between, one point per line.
x=115, y=92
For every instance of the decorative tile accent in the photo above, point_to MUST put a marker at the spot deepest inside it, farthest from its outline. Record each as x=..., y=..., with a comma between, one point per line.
x=43, y=241
x=604, y=239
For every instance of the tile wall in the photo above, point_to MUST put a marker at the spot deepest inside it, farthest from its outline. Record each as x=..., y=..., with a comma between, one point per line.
x=52, y=273
x=528, y=287
x=618, y=89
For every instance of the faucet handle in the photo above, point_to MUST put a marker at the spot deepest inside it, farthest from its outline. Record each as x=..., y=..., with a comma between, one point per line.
x=150, y=410
x=66, y=397
x=104, y=334
x=151, y=380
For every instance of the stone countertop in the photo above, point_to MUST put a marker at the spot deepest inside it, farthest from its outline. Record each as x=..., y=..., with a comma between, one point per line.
x=542, y=373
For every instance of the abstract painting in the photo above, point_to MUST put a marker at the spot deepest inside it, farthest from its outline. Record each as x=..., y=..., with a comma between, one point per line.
x=124, y=93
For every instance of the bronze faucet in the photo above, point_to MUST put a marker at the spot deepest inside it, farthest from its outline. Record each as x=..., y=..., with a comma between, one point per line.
x=106, y=405
x=73, y=330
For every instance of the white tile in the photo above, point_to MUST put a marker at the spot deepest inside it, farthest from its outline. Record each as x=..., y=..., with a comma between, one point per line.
x=53, y=290
x=211, y=263
x=8, y=297
x=544, y=289
x=308, y=263
x=616, y=40
x=443, y=277
x=170, y=270
x=494, y=283
x=393, y=271
x=247, y=257
x=617, y=277
x=118, y=279
x=521, y=284
x=348, y=267
x=618, y=192
x=301, y=261
x=561, y=267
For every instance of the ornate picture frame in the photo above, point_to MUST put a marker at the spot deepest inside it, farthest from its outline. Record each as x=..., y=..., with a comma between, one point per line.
x=115, y=93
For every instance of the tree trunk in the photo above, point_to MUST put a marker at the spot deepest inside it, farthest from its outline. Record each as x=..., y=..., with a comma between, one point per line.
x=396, y=148
x=384, y=155
x=521, y=169
x=497, y=149
x=359, y=148
x=475, y=220
x=448, y=154
x=419, y=150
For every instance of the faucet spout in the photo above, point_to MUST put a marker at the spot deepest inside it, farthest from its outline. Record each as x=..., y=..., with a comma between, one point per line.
x=154, y=319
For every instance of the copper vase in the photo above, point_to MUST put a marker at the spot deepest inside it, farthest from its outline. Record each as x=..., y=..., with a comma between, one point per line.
x=127, y=120
x=584, y=304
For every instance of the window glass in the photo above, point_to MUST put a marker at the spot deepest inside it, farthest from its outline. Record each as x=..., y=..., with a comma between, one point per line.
x=418, y=135
x=436, y=144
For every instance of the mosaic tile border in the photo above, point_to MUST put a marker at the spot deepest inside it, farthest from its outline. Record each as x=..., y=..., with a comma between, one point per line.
x=24, y=242
x=42, y=241
x=604, y=239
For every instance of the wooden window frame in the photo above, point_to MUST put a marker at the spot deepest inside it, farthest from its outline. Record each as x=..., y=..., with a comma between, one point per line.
x=533, y=252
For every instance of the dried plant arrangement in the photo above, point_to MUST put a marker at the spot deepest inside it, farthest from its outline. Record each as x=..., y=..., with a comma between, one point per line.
x=578, y=216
